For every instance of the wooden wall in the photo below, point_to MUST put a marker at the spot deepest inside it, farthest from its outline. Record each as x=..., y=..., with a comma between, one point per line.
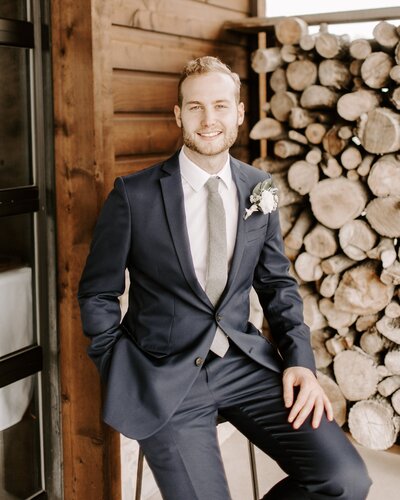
x=151, y=41
x=115, y=71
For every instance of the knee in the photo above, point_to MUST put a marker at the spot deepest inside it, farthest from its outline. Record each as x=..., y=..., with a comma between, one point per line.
x=352, y=480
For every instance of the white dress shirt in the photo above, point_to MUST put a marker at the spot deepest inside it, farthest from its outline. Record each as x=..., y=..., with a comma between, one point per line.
x=195, y=194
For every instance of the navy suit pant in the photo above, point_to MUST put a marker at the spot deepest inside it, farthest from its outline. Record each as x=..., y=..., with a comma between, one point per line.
x=184, y=455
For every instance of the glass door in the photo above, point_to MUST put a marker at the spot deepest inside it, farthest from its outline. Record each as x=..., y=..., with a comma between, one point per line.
x=24, y=254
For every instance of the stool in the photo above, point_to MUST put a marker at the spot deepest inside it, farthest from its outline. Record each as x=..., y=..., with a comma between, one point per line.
x=253, y=471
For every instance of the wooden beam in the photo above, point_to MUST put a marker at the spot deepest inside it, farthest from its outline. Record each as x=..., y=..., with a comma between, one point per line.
x=238, y=5
x=90, y=448
x=256, y=24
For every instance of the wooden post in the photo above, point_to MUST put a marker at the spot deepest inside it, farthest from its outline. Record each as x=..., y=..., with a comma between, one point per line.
x=90, y=448
x=259, y=6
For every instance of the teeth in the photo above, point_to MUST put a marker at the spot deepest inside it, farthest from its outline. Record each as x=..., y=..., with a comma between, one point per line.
x=209, y=134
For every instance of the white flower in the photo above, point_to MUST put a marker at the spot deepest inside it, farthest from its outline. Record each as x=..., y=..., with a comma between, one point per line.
x=264, y=198
x=267, y=202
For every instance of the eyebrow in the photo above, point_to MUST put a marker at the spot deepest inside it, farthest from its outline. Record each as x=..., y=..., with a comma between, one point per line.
x=214, y=102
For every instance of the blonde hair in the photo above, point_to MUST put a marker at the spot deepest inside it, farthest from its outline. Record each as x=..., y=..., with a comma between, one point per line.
x=207, y=64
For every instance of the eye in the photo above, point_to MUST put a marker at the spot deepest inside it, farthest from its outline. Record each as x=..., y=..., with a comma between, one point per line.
x=195, y=107
x=221, y=106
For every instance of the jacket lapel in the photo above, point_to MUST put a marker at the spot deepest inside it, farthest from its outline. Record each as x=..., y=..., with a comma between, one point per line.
x=172, y=192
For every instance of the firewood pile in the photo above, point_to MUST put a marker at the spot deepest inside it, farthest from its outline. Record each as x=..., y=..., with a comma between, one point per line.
x=333, y=131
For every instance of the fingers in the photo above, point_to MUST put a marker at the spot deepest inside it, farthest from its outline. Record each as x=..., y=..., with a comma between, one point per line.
x=288, y=382
x=310, y=399
x=307, y=402
x=302, y=408
x=328, y=408
x=318, y=412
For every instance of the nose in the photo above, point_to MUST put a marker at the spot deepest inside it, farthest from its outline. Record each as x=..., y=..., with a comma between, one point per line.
x=208, y=118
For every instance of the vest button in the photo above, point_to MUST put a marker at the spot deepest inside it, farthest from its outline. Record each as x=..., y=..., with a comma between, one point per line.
x=198, y=361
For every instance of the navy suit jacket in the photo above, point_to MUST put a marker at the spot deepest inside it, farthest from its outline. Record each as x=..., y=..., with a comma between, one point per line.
x=148, y=361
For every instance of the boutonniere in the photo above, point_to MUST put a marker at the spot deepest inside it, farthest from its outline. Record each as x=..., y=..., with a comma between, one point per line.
x=264, y=198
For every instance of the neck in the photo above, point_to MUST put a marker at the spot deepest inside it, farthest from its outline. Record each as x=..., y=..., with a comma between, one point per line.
x=211, y=164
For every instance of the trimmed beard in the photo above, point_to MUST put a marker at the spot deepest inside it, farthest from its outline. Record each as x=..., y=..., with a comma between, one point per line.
x=207, y=149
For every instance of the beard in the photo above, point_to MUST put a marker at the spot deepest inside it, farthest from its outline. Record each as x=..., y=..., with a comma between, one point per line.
x=224, y=143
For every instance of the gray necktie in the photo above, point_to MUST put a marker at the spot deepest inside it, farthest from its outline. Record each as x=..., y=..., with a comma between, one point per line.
x=217, y=259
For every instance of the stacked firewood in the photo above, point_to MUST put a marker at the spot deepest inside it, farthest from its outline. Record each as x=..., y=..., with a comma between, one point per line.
x=333, y=131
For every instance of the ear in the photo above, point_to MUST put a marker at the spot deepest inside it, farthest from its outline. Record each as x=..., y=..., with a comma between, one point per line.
x=240, y=113
x=177, y=112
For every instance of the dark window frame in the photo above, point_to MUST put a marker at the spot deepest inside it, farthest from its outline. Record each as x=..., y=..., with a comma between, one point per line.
x=38, y=199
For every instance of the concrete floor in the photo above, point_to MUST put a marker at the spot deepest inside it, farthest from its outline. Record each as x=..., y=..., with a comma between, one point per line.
x=383, y=467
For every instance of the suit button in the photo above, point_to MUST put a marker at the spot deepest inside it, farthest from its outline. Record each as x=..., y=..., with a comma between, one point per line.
x=198, y=361
x=218, y=317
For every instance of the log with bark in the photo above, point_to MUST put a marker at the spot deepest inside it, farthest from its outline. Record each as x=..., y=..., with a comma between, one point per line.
x=385, y=251
x=303, y=176
x=372, y=342
x=375, y=70
x=373, y=423
x=328, y=285
x=334, y=73
x=301, y=74
x=317, y=96
x=333, y=127
x=289, y=30
x=386, y=34
x=268, y=128
x=356, y=374
x=383, y=214
x=390, y=328
x=360, y=48
x=266, y=60
x=322, y=357
x=352, y=105
x=294, y=239
x=282, y=103
x=384, y=177
x=379, y=131
x=337, y=201
x=361, y=291
x=335, y=396
x=321, y=242
x=329, y=45
x=356, y=237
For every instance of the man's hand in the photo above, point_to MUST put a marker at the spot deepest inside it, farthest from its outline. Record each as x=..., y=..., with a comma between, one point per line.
x=310, y=397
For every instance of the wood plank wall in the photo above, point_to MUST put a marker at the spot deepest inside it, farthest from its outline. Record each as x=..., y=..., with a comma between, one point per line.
x=115, y=70
x=151, y=41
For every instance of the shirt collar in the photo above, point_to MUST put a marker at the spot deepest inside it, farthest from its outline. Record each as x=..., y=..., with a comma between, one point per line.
x=196, y=177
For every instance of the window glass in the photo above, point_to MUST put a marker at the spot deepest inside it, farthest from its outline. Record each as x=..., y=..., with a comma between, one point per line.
x=15, y=150
x=16, y=271
x=13, y=9
x=20, y=461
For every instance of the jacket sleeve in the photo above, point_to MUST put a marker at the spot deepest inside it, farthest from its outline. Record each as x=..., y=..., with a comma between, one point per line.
x=103, y=278
x=280, y=300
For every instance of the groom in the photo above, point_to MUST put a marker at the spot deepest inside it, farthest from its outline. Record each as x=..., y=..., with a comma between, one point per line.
x=185, y=351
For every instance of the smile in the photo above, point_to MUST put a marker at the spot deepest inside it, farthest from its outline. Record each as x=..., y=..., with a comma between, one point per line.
x=209, y=134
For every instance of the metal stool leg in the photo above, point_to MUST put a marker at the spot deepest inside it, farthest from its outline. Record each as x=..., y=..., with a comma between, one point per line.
x=139, y=474
x=253, y=470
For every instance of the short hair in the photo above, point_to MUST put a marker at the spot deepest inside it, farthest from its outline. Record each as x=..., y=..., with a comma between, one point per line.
x=207, y=64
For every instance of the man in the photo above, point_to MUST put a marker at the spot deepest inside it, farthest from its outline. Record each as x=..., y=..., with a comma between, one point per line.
x=185, y=351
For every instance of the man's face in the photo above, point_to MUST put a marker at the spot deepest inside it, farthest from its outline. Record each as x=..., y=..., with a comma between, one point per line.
x=210, y=115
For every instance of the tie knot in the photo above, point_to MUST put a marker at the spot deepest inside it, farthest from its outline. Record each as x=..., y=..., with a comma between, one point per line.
x=212, y=184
